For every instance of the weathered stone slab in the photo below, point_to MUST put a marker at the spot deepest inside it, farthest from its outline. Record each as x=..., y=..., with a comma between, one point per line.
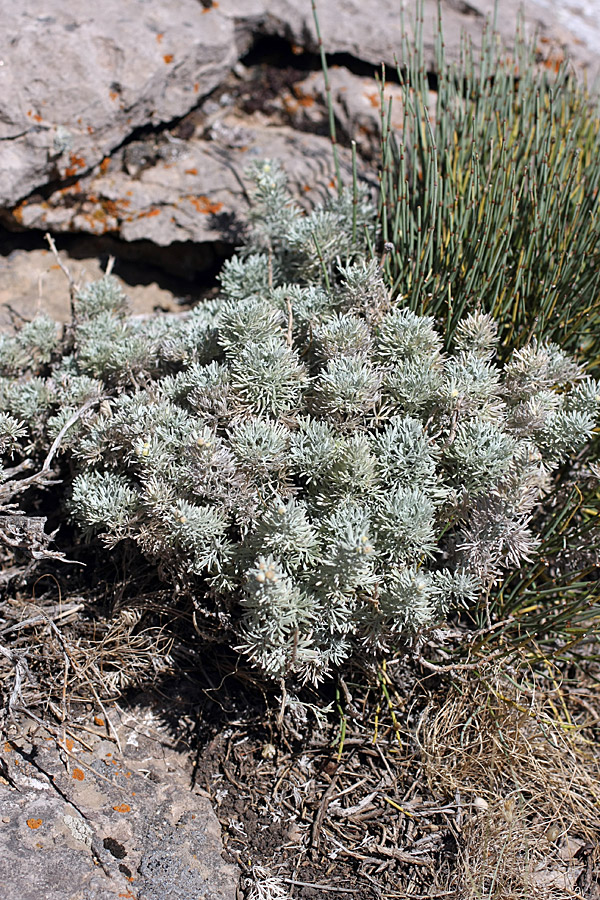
x=77, y=78
x=371, y=31
x=85, y=821
x=195, y=190
x=356, y=103
x=31, y=282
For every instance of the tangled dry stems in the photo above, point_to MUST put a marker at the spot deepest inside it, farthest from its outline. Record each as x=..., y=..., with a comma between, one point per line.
x=55, y=654
x=519, y=750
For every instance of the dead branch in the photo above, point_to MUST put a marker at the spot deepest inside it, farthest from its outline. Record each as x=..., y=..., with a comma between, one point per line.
x=73, y=286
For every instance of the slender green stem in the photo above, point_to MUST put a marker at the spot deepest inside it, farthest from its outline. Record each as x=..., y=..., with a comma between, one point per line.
x=332, y=129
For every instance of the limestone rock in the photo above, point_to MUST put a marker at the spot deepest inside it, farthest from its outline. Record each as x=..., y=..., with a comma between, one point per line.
x=77, y=78
x=31, y=282
x=356, y=103
x=83, y=821
x=197, y=192
x=371, y=31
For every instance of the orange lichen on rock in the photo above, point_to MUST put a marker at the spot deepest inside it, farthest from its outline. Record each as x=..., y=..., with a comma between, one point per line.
x=554, y=62
x=373, y=99
x=122, y=808
x=159, y=37
x=290, y=104
x=302, y=98
x=18, y=212
x=106, y=208
x=112, y=207
x=78, y=774
x=74, y=188
x=77, y=162
x=191, y=171
x=203, y=205
x=34, y=823
x=104, y=168
x=168, y=58
x=148, y=214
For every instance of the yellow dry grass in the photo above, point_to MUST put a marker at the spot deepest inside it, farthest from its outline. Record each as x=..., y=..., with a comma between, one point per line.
x=518, y=748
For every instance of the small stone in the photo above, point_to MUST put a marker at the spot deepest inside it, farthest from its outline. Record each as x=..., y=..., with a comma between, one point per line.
x=294, y=833
x=553, y=832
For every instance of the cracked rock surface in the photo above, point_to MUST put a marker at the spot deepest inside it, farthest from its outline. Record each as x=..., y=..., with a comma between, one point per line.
x=76, y=80
x=83, y=820
x=193, y=190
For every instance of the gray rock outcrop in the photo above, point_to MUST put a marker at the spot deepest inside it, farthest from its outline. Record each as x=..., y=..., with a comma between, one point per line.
x=84, y=821
x=76, y=80
x=192, y=190
x=32, y=280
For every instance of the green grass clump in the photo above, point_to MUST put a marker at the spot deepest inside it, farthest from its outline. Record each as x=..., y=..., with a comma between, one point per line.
x=489, y=194
x=489, y=202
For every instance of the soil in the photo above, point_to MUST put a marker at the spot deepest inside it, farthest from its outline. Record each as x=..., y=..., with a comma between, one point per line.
x=322, y=813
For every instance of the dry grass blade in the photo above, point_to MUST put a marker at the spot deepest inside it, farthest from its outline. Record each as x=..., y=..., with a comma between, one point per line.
x=527, y=768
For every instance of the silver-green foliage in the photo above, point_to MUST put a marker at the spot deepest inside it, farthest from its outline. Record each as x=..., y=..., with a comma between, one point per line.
x=301, y=451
